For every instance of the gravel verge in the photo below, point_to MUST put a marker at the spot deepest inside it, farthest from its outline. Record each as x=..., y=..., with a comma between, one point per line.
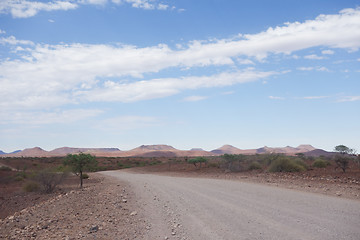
x=102, y=210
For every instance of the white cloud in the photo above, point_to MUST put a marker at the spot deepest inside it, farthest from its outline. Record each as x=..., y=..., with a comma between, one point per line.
x=313, y=57
x=51, y=20
x=328, y=52
x=349, y=99
x=321, y=69
x=47, y=117
x=144, y=4
x=276, y=98
x=2, y=31
x=54, y=75
x=245, y=62
x=314, y=97
x=13, y=41
x=305, y=68
x=162, y=6
x=195, y=98
x=94, y=2
x=158, y=88
x=25, y=9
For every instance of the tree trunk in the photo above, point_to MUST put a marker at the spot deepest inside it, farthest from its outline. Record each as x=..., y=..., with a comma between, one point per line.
x=81, y=179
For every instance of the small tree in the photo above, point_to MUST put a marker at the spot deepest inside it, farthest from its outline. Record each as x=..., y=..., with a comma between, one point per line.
x=342, y=149
x=229, y=159
x=196, y=160
x=79, y=163
x=342, y=159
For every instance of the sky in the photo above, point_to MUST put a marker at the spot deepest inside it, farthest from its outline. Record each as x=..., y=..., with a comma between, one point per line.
x=190, y=74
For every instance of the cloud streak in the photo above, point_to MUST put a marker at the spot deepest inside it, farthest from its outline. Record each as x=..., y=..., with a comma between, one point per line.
x=45, y=76
x=26, y=9
x=48, y=117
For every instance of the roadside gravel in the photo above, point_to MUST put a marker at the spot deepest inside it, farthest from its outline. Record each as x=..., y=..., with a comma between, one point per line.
x=103, y=210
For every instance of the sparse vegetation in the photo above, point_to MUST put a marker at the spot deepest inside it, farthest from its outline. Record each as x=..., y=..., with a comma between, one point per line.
x=342, y=162
x=320, y=163
x=5, y=168
x=284, y=164
x=85, y=176
x=342, y=159
x=301, y=163
x=234, y=162
x=49, y=179
x=198, y=160
x=31, y=187
x=254, y=166
x=80, y=163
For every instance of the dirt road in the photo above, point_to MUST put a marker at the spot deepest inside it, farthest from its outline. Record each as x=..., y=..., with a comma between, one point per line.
x=193, y=208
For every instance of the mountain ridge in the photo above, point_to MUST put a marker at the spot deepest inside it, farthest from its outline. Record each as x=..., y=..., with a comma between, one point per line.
x=158, y=150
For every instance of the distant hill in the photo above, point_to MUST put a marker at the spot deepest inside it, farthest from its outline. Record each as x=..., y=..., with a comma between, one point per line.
x=286, y=150
x=197, y=149
x=162, y=150
x=227, y=149
x=16, y=151
x=1, y=152
x=30, y=152
x=68, y=150
x=168, y=154
x=318, y=153
x=146, y=148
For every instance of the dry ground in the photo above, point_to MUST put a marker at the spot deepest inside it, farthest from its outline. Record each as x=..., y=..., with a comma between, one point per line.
x=103, y=209
x=106, y=209
x=329, y=181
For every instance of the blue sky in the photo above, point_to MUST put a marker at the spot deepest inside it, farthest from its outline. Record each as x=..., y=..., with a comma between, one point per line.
x=122, y=73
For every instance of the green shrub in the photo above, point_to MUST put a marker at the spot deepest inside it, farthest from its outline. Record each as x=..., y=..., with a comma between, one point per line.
x=19, y=178
x=285, y=164
x=21, y=174
x=31, y=187
x=319, y=163
x=268, y=159
x=301, y=163
x=85, y=176
x=255, y=166
x=5, y=168
x=214, y=165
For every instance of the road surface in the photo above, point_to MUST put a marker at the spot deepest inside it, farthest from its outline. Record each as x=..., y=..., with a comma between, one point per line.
x=198, y=208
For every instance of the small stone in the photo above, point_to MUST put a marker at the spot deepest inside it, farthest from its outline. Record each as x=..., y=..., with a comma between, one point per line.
x=124, y=201
x=133, y=213
x=94, y=229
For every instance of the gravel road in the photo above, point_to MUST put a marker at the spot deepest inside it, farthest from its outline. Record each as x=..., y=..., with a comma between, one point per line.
x=196, y=209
